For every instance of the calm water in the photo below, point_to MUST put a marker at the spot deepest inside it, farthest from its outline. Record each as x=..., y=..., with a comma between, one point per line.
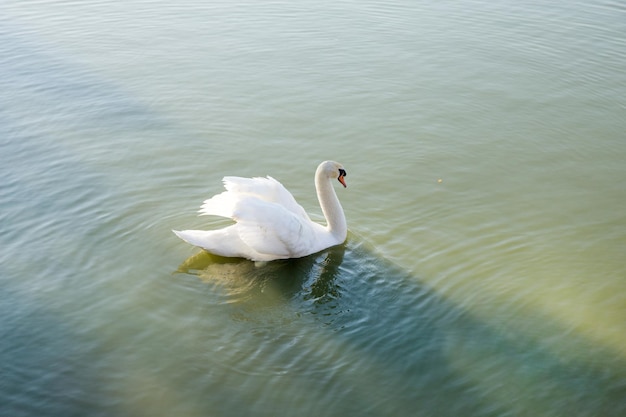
x=484, y=274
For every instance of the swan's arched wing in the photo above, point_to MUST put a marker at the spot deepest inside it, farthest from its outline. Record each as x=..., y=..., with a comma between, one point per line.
x=266, y=189
x=222, y=204
x=269, y=228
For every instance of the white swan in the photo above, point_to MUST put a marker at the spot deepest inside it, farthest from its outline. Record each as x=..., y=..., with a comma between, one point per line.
x=270, y=224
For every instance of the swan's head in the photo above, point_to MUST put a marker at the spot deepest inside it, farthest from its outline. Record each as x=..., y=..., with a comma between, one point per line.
x=332, y=169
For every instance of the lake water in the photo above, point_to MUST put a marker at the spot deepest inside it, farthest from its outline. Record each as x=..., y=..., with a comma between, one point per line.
x=484, y=272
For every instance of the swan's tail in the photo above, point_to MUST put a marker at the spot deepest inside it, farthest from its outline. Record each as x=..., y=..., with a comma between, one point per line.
x=223, y=242
x=201, y=238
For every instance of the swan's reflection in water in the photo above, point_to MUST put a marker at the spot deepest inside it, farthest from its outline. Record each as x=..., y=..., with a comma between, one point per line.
x=312, y=277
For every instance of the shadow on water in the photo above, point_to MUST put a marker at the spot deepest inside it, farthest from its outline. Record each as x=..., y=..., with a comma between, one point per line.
x=381, y=343
x=48, y=367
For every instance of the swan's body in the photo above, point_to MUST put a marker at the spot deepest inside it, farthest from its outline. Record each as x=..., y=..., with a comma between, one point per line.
x=270, y=224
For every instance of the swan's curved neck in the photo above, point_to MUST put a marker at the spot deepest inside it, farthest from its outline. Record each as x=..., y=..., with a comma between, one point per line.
x=333, y=212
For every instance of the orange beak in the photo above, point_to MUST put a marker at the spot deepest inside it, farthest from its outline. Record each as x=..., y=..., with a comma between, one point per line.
x=342, y=181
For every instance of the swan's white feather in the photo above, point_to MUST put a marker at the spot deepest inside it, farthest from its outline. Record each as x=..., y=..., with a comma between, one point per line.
x=223, y=242
x=270, y=228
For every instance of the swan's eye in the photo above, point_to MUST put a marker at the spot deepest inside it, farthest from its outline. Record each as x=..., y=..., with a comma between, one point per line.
x=342, y=173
